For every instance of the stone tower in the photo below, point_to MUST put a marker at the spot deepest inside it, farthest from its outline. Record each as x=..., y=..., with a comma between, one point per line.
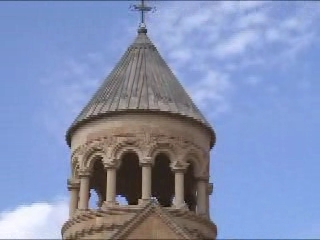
x=140, y=137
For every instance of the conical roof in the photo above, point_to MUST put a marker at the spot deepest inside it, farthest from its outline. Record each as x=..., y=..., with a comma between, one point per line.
x=141, y=81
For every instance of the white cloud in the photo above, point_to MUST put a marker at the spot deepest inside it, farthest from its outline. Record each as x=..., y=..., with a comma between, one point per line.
x=42, y=220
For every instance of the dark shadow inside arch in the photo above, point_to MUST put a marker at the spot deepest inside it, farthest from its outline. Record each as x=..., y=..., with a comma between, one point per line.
x=98, y=182
x=162, y=180
x=190, y=188
x=129, y=178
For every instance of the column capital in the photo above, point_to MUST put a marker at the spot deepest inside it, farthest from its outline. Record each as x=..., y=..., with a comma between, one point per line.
x=84, y=173
x=73, y=184
x=210, y=188
x=147, y=161
x=112, y=164
x=179, y=166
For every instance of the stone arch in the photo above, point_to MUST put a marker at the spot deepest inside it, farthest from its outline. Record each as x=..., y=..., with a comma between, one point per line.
x=92, y=155
x=75, y=167
x=162, y=148
x=194, y=157
x=119, y=150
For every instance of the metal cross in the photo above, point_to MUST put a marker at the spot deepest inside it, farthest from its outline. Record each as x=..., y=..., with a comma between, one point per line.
x=143, y=9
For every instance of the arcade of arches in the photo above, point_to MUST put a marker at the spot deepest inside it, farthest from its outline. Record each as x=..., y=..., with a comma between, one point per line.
x=172, y=184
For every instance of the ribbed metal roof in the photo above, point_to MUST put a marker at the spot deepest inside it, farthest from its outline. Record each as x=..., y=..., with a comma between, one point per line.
x=140, y=81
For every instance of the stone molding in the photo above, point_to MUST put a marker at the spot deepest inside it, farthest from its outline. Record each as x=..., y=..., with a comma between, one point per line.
x=111, y=164
x=145, y=211
x=179, y=166
x=147, y=161
x=89, y=214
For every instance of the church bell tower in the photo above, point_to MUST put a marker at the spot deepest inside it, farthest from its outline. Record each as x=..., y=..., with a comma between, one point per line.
x=141, y=138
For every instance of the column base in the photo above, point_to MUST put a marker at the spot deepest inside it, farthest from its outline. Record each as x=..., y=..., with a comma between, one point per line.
x=79, y=212
x=109, y=204
x=144, y=201
x=182, y=206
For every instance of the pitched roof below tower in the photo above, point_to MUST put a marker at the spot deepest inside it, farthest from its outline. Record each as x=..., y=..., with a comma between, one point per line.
x=152, y=222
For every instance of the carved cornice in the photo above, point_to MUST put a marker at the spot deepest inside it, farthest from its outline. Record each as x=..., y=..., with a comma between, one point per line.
x=91, y=215
x=146, y=135
x=95, y=229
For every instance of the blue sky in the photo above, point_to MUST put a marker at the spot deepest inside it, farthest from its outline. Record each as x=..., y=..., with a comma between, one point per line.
x=252, y=67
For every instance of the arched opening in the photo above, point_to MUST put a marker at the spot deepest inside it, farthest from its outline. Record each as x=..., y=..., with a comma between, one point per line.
x=162, y=180
x=129, y=178
x=190, y=188
x=98, y=181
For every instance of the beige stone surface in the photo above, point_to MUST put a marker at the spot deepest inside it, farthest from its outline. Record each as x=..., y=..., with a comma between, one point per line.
x=153, y=227
x=133, y=123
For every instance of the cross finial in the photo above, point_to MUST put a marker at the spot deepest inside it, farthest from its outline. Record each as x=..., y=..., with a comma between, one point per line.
x=143, y=9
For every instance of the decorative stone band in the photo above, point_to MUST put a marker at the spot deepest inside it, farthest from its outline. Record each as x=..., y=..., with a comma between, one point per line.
x=178, y=166
x=73, y=184
x=147, y=161
x=84, y=173
x=85, y=216
x=112, y=164
x=144, y=137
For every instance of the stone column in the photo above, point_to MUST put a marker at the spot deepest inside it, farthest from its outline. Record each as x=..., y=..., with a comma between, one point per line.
x=84, y=189
x=111, y=167
x=146, y=165
x=179, y=169
x=202, y=189
x=73, y=187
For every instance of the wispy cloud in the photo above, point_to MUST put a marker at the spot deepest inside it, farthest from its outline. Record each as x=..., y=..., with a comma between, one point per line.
x=226, y=37
x=68, y=90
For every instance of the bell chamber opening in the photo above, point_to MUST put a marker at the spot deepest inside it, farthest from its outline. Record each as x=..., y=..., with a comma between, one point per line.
x=129, y=179
x=162, y=180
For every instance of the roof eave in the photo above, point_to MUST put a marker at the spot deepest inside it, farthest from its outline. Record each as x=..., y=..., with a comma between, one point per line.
x=91, y=118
